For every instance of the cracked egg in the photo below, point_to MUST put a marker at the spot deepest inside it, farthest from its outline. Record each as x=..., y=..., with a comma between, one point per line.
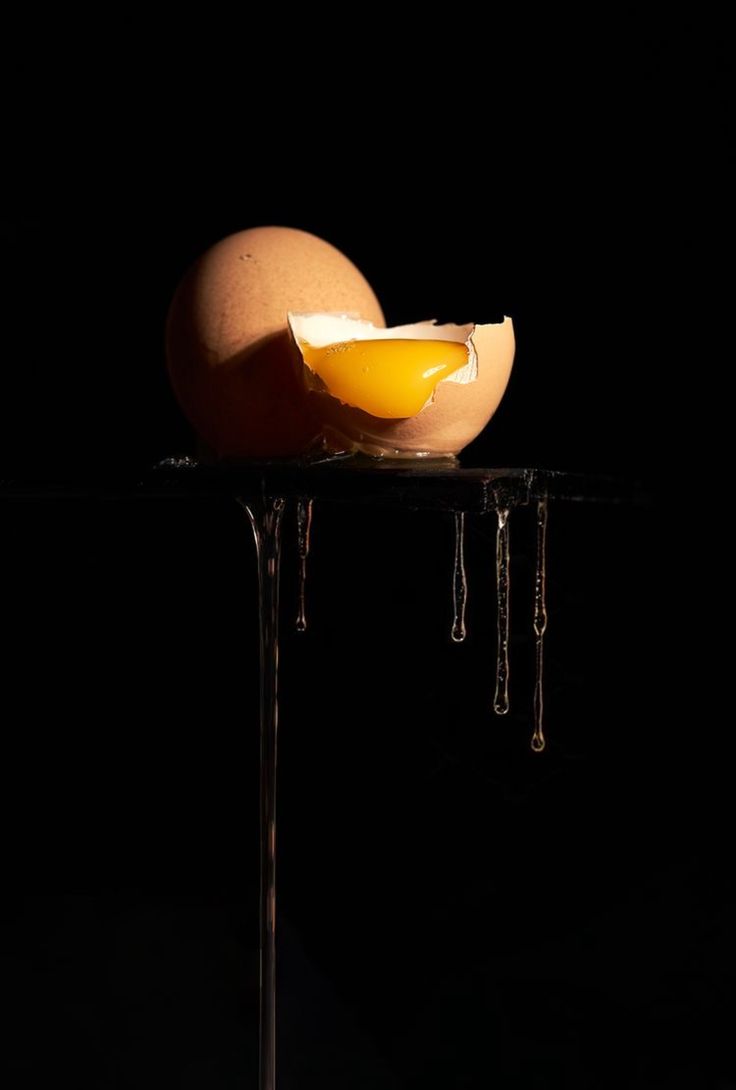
x=422, y=390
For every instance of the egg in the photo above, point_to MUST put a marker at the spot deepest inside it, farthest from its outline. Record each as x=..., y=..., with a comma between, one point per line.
x=422, y=390
x=231, y=360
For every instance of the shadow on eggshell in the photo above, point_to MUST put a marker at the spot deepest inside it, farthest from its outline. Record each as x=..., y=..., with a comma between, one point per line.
x=251, y=405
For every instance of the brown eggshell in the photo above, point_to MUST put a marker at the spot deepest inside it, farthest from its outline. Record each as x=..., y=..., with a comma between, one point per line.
x=457, y=414
x=230, y=357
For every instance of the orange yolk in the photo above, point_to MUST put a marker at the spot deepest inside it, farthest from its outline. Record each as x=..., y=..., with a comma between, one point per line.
x=392, y=378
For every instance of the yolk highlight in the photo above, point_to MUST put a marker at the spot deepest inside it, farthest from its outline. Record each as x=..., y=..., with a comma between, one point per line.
x=392, y=378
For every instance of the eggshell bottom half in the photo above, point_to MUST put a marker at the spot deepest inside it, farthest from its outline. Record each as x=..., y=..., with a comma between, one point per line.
x=457, y=415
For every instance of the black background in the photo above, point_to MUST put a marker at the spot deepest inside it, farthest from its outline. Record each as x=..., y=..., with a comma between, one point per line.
x=456, y=911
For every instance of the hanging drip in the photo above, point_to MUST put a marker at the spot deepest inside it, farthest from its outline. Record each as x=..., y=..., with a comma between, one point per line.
x=459, y=581
x=503, y=576
x=303, y=529
x=540, y=624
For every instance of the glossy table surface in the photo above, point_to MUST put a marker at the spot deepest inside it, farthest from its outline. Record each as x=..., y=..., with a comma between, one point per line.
x=422, y=484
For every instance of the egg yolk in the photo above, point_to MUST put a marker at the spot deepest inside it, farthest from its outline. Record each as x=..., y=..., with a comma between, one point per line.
x=391, y=378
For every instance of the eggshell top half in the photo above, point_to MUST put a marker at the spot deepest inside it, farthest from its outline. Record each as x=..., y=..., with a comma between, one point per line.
x=230, y=356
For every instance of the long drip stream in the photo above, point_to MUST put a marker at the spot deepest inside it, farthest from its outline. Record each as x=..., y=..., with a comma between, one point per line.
x=265, y=518
x=503, y=577
x=540, y=625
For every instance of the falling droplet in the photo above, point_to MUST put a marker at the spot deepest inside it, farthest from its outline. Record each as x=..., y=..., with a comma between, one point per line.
x=459, y=581
x=303, y=529
x=501, y=697
x=540, y=624
x=265, y=519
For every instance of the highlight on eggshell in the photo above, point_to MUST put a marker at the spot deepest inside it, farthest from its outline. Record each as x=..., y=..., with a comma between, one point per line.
x=421, y=390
